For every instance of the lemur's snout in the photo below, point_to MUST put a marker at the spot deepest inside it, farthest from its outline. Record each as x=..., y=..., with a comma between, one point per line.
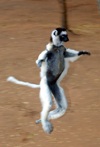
x=66, y=39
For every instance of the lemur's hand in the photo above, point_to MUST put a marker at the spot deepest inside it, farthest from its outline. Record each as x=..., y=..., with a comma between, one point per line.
x=84, y=53
x=39, y=62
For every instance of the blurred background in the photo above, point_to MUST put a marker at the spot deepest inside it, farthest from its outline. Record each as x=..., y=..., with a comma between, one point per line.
x=25, y=29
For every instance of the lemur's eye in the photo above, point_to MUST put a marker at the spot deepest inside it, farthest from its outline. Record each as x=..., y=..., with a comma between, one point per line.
x=62, y=36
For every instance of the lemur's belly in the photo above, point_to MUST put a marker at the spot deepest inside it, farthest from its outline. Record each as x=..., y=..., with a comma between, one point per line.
x=55, y=65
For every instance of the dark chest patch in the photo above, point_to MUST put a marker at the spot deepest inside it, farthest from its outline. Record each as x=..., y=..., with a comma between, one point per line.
x=55, y=63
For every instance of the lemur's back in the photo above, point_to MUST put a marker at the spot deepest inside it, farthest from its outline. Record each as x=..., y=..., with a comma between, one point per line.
x=55, y=63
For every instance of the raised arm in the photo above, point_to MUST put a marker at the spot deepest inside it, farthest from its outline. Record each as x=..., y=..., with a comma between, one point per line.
x=73, y=55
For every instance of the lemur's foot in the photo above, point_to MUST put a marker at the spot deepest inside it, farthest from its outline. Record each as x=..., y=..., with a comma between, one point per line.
x=38, y=121
x=84, y=53
x=47, y=127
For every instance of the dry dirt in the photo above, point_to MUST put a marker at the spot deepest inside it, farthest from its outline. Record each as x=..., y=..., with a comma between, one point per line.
x=25, y=28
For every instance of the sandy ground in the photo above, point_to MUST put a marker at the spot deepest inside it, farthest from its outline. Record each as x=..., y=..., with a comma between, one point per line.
x=25, y=28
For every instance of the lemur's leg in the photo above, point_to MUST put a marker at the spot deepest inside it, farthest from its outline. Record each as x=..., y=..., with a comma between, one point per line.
x=46, y=100
x=61, y=101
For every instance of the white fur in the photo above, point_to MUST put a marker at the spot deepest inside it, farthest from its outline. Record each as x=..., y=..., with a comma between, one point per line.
x=72, y=59
x=72, y=51
x=43, y=70
x=41, y=56
x=49, y=46
x=63, y=33
x=13, y=80
x=46, y=100
x=55, y=39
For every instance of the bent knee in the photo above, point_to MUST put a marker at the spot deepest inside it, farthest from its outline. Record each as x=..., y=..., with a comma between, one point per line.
x=65, y=107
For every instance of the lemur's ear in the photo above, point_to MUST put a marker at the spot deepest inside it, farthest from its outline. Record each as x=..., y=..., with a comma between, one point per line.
x=55, y=32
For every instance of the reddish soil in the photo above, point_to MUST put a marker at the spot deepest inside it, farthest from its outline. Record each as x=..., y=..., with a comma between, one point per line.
x=25, y=28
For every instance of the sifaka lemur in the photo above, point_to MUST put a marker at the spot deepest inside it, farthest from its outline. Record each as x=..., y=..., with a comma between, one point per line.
x=54, y=63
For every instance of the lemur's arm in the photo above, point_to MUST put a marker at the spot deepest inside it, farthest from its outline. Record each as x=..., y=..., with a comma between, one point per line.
x=43, y=55
x=41, y=58
x=73, y=55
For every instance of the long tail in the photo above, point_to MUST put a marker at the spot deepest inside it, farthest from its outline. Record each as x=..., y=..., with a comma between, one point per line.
x=13, y=80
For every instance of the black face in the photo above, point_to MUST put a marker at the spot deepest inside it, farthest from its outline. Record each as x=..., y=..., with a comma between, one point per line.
x=64, y=38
